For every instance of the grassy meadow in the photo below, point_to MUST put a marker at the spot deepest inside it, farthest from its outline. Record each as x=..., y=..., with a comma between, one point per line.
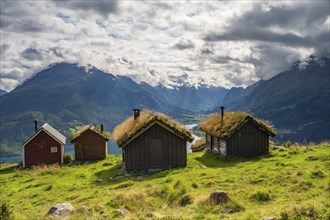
x=289, y=183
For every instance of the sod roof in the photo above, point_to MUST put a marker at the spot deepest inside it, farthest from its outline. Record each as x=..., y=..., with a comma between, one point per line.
x=231, y=122
x=130, y=128
x=97, y=130
x=198, y=144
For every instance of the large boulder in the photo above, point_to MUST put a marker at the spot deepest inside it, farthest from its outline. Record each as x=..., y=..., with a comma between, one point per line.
x=61, y=209
x=218, y=197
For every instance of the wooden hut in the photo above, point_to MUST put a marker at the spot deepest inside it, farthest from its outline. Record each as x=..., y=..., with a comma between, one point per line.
x=45, y=146
x=199, y=145
x=236, y=134
x=90, y=143
x=152, y=141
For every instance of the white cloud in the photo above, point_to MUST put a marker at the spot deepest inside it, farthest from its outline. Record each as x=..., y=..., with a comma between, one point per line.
x=169, y=43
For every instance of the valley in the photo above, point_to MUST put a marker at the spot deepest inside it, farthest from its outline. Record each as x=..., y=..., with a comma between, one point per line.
x=67, y=95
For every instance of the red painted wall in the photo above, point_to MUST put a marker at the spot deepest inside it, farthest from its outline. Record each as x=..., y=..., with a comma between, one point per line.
x=35, y=155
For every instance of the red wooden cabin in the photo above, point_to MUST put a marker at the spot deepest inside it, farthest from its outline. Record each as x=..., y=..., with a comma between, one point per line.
x=45, y=146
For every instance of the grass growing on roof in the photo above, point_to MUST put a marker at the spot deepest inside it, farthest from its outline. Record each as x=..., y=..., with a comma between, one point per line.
x=292, y=182
x=75, y=133
x=212, y=124
x=198, y=143
x=127, y=129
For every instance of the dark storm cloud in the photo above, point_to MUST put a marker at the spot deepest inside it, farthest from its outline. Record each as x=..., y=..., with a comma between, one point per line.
x=181, y=79
x=187, y=68
x=17, y=17
x=184, y=44
x=224, y=59
x=260, y=25
x=242, y=33
x=152, y=72
x=295, y=16
x=56, y=51
x=11, y=75
x=206, y=51
x=8, y=9
x=32, y=54
x=103, y=7
x=4, y=48
x=124, y=60
x=274, y=60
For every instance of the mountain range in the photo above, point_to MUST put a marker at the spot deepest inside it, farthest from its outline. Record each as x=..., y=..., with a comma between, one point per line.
x=296, y=101
x=67, y=95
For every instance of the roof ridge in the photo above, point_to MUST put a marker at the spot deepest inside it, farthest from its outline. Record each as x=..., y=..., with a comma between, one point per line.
x=83, y=129
x=128, y=129
x=50, y=131
x=231, y=121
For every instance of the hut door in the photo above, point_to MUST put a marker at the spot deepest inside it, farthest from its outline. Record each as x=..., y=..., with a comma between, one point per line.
x=155, y=149
x=248, y=142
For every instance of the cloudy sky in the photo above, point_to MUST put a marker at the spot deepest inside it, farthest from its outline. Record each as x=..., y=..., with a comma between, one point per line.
x=214, y=43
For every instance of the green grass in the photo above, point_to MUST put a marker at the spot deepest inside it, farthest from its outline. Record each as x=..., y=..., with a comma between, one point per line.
x=286, y=184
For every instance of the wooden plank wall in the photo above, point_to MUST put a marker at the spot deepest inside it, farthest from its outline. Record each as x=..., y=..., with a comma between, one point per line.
x=141, y=153
x=248, y=141
x=35, y=155
x=90, y=146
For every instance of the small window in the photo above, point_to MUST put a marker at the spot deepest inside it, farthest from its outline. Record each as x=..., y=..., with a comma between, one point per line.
x=53, y=149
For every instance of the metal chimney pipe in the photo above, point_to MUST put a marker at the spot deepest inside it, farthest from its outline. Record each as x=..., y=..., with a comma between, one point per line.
x=35, y=125
x=136, y=113
x=101, y=128
x=222, y=112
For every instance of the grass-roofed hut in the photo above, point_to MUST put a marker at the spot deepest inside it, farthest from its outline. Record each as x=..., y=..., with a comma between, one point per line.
x=90, y=143
x=152, y=141
x=236, y=134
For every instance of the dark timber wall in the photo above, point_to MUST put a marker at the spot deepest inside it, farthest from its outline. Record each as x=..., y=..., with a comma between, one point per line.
x=90, y=146
x=155, y=148
x=247, y=141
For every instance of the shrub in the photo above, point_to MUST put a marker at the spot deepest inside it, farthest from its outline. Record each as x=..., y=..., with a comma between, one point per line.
x=185, y=200
x=231, y=207
x=173, y=196
x=161, y=192
x=168, y=180
x=260, y=196
x=308, y=212
x=287, y=144
x=177, y=184
x=67, y=158
x=311, y=158
x=317, y=174
x=49, y=187
x=6, y=211
x=305, y=212
x=107, y=164
x=194, y=185
x=284, y=216
x=125, y=185
x=209, y=184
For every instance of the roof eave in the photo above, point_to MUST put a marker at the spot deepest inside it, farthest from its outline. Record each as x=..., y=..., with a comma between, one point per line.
x=74, y=139
x=151, y=123
x=45, y=130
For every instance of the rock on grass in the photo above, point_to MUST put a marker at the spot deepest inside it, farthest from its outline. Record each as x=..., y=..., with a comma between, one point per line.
x=61, y=209
x=218, y=197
